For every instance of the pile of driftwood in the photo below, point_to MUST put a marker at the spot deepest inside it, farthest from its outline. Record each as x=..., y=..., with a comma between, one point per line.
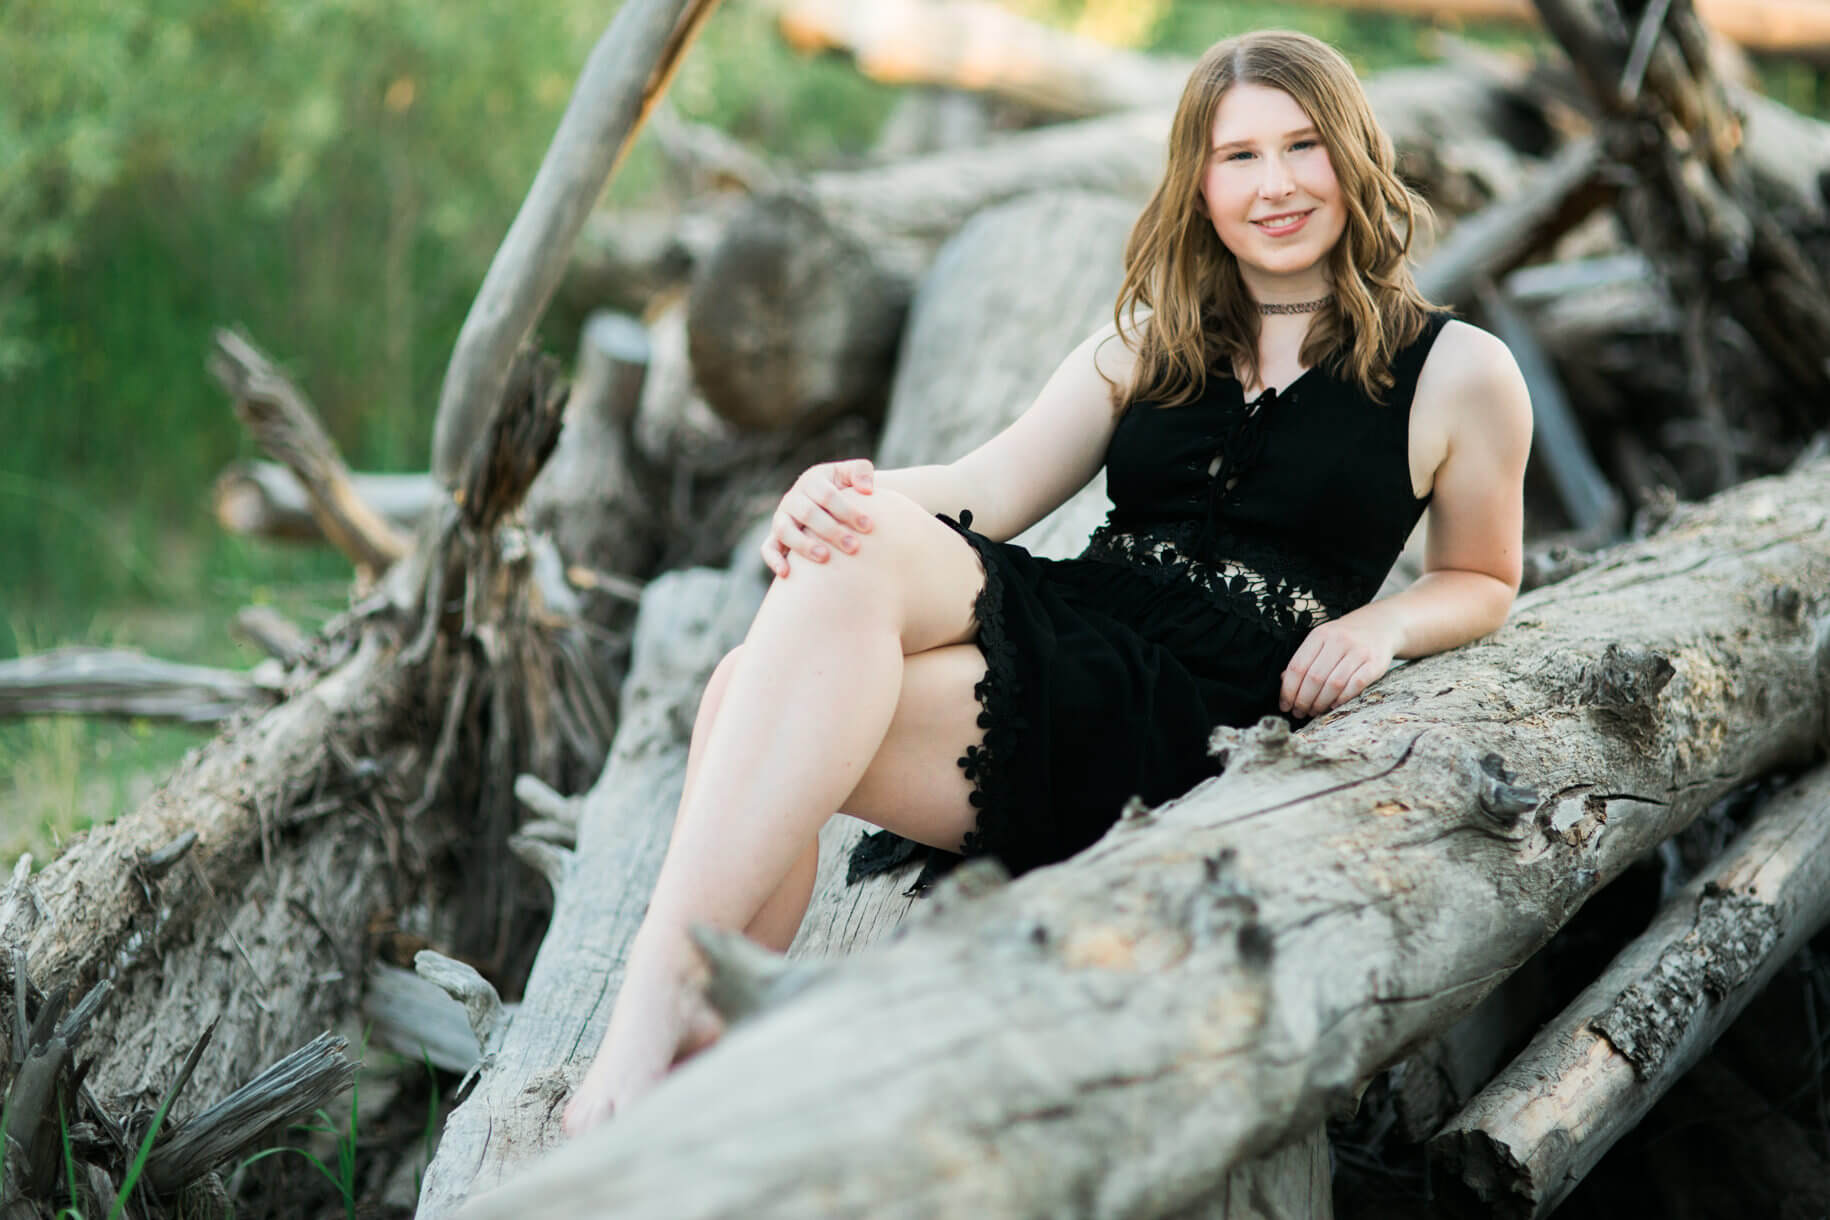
x=461, y=788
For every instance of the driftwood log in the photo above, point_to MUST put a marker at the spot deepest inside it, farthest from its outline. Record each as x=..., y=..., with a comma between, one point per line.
x=286, y=426
x=83, y=681
x=1111, y=1035
x=796, y=313
x=1538, y=1128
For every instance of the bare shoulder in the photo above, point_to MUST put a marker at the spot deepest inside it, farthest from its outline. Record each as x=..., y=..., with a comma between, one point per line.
x=1112, y=353
x=1471, y=389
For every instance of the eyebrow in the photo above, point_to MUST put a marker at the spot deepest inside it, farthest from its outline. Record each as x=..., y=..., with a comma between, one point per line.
x=1288, y=135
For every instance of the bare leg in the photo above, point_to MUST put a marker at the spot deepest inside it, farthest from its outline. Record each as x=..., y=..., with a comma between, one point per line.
x=800, y=721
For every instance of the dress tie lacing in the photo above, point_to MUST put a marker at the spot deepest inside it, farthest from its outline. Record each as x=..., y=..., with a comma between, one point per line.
x=1241, y=441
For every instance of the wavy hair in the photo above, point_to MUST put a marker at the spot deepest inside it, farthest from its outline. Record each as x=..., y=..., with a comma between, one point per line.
x=1177, y=269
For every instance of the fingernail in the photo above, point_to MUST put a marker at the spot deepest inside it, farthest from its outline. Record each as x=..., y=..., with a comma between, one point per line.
x=820, y=553
x=850, y=543
x=864, y=523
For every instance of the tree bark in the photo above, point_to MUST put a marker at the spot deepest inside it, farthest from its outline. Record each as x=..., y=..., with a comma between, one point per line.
x=1594, y=1071
x=1236, y=963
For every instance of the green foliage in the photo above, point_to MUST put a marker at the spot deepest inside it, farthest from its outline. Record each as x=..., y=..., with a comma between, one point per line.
x=138, y=1165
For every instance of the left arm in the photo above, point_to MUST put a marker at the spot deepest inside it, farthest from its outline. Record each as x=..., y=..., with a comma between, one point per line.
x=1472, y=561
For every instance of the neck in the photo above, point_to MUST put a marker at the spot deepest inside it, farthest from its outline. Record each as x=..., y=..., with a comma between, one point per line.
x=1298, y=289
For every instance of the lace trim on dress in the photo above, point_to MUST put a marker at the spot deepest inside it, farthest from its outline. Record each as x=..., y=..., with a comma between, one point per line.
x=985, y=764
x=1283, y=604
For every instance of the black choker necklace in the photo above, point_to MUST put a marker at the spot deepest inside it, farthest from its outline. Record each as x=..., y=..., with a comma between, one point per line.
x=1297, y=307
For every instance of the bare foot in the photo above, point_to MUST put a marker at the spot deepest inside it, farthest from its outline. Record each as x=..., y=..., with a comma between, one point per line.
x=660, y=1018
x=706, y=1028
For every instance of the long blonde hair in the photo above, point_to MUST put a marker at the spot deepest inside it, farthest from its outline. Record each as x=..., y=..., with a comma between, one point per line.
x=1177, y=268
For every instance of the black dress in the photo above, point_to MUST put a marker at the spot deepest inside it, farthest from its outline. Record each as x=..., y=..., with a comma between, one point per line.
x=1235, y=528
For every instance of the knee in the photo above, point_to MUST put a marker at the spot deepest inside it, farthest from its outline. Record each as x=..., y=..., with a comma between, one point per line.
x=721, y=678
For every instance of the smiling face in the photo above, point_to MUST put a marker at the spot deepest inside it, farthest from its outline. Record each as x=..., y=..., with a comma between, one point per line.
x=1271, y=193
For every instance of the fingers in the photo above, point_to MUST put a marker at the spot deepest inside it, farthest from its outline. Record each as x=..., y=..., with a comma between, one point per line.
x=1329, y=669
x=775, y=556
x=820, y=522
x=857, y=472
x=1297, y=669
x=787, y=533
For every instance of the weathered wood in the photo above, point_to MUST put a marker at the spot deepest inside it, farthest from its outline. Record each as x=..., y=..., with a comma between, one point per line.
x=593, y=499
x=266, y=500
x=287, y=427
x=1595, y=1070
x=1798, y=27
x=289, y=1091
x=273, y=634
x=969, y=44
x=796, y=314
x=414, y=1016
x=85, y=681
x=208, y=905
x=1490, y=243
x=1695, y=211
x=1111, y=1035
x=624, y=77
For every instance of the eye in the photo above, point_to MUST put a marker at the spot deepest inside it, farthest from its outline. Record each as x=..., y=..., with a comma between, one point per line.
x=1238, y=154
x=1308, y=143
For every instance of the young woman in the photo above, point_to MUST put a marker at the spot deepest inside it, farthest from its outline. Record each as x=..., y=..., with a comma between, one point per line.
x=1275, y=407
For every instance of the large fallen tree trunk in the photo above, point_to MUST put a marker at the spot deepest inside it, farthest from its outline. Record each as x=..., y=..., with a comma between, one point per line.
x=1111, y=1035
x=1591, y=1074
x=796, y=313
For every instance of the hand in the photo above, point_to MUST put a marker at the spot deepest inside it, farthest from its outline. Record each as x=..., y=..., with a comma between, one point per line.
x=1337, y=661
x=822, y=510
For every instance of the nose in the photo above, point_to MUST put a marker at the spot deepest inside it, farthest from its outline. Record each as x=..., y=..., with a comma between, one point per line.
x=1276, y=182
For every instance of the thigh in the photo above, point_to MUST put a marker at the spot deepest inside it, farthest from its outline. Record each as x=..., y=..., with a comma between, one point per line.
x=914, y=784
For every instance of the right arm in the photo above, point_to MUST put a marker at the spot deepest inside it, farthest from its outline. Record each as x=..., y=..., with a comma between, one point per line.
x=1008, y=483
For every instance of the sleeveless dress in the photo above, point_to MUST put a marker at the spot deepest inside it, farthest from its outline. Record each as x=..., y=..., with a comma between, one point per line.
x=1235, y=529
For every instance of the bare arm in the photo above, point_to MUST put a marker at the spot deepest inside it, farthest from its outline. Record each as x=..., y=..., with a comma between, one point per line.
x=1046, y=455
x=1008, y=483
x=1473, y=558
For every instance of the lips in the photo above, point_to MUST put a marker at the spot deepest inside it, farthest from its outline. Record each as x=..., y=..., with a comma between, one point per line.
x=1283, y=225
